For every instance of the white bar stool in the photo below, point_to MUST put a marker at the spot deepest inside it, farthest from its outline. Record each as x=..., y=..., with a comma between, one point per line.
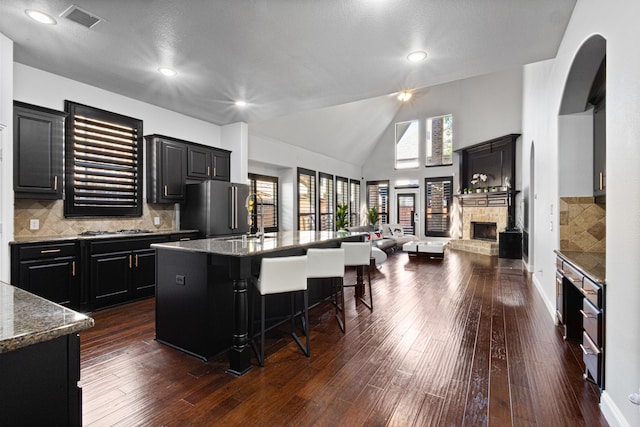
x=329, y=264
x=358, y=254
x=277, y=276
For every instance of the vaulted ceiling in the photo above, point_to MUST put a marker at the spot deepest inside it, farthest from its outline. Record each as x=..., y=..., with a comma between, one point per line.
x=306, y=67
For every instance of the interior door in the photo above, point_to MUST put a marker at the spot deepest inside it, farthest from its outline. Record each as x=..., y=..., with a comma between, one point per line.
x=406, y=204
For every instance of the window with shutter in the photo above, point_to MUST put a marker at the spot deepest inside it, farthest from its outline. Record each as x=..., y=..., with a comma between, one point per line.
x=354, y=202
x=103, y=168
x=326, y=200
x=306, y=199
x=438, y=199
x=266, y=187
x=378, y=197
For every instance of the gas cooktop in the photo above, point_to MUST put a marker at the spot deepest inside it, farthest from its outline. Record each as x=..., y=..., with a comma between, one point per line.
x=103, y=232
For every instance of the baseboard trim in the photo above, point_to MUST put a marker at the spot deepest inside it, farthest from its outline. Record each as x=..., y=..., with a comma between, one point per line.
x=550, y=306
x=611, y=412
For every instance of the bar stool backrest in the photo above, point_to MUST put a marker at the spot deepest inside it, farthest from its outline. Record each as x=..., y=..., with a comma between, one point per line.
x=322, y=263
x=282, y=274
x=356, y=253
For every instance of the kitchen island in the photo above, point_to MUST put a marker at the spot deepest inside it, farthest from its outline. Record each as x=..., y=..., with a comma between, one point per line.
x=39, y=360
x=202, y=289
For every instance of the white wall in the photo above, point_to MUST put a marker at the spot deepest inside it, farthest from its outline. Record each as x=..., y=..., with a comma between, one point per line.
x=575, y=151
x=268, y=156
x=6, y=154
x=483, y=108
x=544, y=83
x=50, y=90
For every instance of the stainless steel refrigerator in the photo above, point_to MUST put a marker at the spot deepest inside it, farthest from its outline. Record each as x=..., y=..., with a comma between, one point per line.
x=216, y=208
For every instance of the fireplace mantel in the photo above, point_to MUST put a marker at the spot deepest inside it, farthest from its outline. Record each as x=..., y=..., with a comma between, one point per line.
x=489, y=198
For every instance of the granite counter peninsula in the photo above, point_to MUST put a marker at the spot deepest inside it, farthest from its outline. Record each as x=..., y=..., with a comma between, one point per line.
x=39, y=360
x=202, y=287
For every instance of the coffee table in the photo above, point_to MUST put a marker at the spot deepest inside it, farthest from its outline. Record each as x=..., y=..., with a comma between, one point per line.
x=432, y=249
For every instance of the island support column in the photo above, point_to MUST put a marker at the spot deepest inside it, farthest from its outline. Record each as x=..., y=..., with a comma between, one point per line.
x=240, y=353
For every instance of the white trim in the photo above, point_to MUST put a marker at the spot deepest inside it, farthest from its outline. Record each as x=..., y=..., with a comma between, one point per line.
x=611, y=412
x=550, y=306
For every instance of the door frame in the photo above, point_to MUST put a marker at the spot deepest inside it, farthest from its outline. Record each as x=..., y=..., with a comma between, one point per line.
x=417, y=207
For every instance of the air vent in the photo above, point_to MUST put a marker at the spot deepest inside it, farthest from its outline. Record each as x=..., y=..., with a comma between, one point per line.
x=81, y=16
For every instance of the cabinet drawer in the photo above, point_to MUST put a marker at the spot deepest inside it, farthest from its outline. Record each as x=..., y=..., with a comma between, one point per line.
x=571, y=274
x=591, y=356
x=592, y=291
x=49, y=250
x=558, y=263
x=592, y=322
x=559, y=298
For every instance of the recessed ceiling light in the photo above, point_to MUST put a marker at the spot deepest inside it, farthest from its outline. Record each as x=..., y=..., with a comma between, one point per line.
x=41, y=17
x=166, y=71
x=417, y=56
x=404, y=96
x=241, y=104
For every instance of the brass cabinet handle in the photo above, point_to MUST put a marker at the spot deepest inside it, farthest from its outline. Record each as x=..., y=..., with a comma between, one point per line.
x=55, y=182
x=208, y=170
x=185, y=239
x=136, y=260
x=73, y=268
x=575, y=280
x=587, y=350
x=587, y=315
x=166, y=191
x=588, y=292
x=602, y=185
x=50, y=251
x=130, y=261
x=214, y=171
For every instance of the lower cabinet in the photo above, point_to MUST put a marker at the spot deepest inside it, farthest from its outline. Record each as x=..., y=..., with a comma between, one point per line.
x=50, y=270
x=121, y=270
x=87, y=274
x=39, y=384
x=580, y=311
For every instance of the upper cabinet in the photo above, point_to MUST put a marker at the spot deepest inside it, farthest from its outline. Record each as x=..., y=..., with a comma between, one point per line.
x=207, y=163
x=38, y=146
x=166, y=169
x=172, y=163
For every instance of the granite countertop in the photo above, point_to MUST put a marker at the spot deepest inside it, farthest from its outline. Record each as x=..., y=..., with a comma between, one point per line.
x=236, y=246
x=27, y=319
x=110, y=235
x=592, y=264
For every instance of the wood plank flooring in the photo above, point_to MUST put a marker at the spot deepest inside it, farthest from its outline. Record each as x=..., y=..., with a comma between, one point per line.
x=463, y=341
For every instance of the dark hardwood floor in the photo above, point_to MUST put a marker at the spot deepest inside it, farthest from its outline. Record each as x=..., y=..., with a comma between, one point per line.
x=463, y=341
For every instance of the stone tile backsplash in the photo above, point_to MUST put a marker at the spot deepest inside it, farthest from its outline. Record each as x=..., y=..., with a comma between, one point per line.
x=582, y=225
x=50, y=213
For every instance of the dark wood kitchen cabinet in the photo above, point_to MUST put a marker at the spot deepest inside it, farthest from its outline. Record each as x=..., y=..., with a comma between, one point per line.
x=166, y=169
x=50, y=270
x=580, y=310
x=173, y=163
x=207, y=163
x=121, y=270
x=38, y=144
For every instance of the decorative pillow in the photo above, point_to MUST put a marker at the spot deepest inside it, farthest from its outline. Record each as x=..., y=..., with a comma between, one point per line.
x=397, y=231
x=374, y=235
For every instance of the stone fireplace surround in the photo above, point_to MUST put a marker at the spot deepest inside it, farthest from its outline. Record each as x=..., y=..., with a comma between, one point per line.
x=485, y=214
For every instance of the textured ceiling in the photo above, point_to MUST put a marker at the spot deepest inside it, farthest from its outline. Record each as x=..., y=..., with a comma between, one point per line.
x=283, y=56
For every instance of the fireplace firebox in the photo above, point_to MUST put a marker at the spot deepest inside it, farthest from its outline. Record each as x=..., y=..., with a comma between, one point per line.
x=485, y=231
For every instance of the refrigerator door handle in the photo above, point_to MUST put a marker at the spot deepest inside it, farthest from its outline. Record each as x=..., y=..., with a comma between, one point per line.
x=233, y=207
x=236, y=209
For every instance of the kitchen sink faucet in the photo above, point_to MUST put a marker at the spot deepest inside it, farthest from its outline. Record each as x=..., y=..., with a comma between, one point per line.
x=259, y=213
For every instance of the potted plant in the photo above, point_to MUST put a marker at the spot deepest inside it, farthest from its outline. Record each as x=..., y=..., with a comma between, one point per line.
x=372, y=215
x=341, y=217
